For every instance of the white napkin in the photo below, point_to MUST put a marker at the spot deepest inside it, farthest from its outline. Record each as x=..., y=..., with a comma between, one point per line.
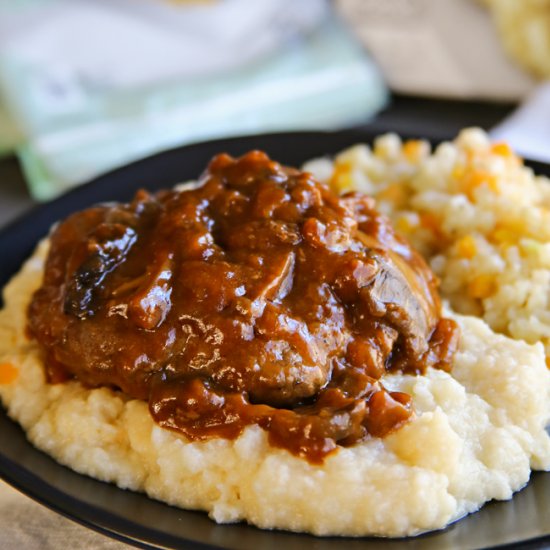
x=527, y=129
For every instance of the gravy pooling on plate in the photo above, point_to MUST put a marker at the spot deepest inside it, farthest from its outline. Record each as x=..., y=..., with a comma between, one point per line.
x=257, y=297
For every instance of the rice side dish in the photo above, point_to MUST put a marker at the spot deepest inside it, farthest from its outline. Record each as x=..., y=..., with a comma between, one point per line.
x=473, y=209
x=481, y=220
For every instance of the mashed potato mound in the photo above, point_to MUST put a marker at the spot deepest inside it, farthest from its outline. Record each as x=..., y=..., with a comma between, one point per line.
x=476, y=436
x=483, y=221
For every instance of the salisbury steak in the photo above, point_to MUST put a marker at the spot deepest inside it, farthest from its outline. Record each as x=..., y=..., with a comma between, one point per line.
x=256, y=296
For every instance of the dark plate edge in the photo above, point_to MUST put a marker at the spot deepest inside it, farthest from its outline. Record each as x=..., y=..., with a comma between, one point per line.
x=95, y=518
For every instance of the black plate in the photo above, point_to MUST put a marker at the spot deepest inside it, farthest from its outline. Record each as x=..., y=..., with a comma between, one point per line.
x=136, y=519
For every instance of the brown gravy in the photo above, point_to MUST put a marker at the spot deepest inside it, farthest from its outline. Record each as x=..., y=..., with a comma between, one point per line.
x=258, y=297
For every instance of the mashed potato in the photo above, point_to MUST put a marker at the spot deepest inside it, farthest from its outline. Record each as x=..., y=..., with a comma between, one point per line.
x=476, y=434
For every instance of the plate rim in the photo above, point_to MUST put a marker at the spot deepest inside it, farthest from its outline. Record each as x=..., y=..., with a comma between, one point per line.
x=40, y=490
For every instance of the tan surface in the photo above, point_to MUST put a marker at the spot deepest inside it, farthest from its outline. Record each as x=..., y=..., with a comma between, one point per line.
x=27, y=525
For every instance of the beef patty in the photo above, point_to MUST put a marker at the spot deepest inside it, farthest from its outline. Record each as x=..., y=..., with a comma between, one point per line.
x=255, y=296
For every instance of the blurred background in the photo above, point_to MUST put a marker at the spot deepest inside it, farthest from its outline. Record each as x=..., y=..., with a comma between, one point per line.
x=89, y=85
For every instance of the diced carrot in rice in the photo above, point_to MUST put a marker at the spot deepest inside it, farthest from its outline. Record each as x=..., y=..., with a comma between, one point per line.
x=394, y=193
x=466, y=247
x=415, y=150
x=482, y=286
x=342, y=180
x=503, y=149
x=8, y=373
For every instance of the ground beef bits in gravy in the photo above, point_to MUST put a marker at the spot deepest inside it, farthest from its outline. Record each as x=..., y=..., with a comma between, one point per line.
x=257, y=297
